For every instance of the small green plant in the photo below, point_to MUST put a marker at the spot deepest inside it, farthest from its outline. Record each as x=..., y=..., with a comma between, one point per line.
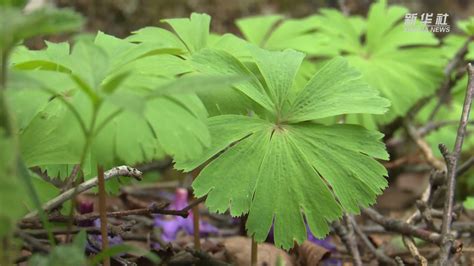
x=17, y=184
x=280, y=165
x=98, y=88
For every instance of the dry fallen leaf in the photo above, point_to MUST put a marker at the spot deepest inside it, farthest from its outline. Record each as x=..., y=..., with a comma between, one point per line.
x=311, y=254
x=238, y=251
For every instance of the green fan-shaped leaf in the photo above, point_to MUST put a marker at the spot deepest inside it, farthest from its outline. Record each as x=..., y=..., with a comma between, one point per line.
x=403, y=65
x=118, y=77
x=49, y=138
x=467, y=26
x=332, y=90
x=212, y=61
x=280, y=167
x=190, y=34
x=273, y=32
x=191, y=37
x=193, y=31
x=258, y=35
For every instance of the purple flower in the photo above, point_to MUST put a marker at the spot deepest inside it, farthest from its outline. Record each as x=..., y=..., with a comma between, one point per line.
x=172, y=225
x=88, y=207
x=113, y=240
x=85, y=206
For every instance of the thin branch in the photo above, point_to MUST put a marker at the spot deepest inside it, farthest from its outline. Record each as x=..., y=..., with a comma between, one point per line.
x=435, y=125
x=112, y=230
x=445, y=90
x=451, y=162
x=154, y=208
x=410, y=244
x=399, y=261
x=459, y=227
x=408, y=240
x=426, y=214
x=379, y=254
x=407, y=229
x=346, y=234
x=69, y=180
x=66, y=195
x=424, y=147
x=447, y=84
x=463, y=168
x=33, y=242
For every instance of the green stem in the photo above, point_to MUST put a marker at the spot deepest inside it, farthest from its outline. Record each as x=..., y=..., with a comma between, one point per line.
x=71, y=108
x=254, y=253
x=87, y=145
x=107, y=120
x=4, y=112
x=103, y=212
x=196, y=230
x=89, y=137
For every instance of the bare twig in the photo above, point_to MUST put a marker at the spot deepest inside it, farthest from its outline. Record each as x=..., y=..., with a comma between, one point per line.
x=410, y=244
x=460, y=227
x=399, y=261
x=70, y=179
x=408, y=240
x=424, y=147
x=112, y=230
x=451, y=162
x=463, y=168
x=445, y=89
x=346, y=234
x=154, y=208
x=33, y=242
x=381, y=256
x=66, y=195
x=402, y=161
x=435, y=125
x=406, y=228
x=426, y=214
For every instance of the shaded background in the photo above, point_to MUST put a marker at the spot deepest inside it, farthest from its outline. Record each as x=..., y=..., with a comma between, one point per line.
x=120, y=17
